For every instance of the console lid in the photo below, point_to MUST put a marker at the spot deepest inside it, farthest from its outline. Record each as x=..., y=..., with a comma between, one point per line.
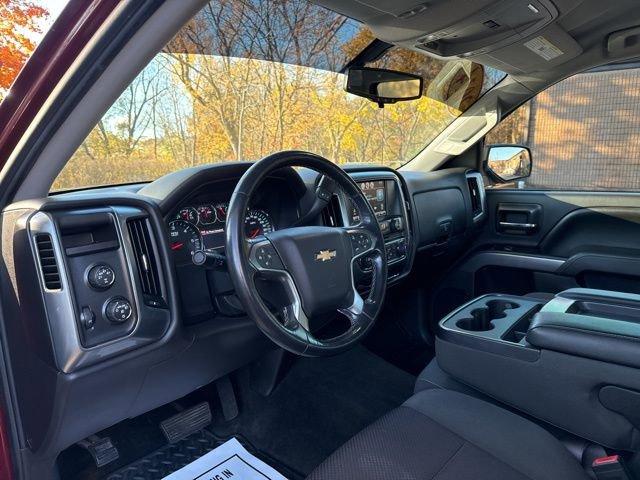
x=596, y=324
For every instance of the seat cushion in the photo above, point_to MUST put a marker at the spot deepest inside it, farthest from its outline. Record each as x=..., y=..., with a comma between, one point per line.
x=444, y=435
x=434, y=377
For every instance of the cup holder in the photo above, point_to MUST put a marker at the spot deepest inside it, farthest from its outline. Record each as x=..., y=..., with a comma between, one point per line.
x=480, y=321
x=481, y=318
x=498, y=308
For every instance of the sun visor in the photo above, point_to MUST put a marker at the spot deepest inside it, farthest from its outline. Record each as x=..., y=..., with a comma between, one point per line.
x=548, y=48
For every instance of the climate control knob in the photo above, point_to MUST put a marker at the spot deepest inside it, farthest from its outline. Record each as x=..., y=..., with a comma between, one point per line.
x=118, y=310
x=101, y=276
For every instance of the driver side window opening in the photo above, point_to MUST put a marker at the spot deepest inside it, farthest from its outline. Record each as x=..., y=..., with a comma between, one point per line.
x=583, y=132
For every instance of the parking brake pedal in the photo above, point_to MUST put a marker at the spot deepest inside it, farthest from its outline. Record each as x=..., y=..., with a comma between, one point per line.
x=102, y=450
x=186, y=422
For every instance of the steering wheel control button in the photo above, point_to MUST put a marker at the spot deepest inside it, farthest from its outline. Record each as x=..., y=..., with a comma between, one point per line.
x=366, y=263
x=361, y=242
x=101, y=277
x=266, y=257
x=118, y=310
x=87, y=318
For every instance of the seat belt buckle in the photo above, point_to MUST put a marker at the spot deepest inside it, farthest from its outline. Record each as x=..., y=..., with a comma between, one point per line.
x=610, y=468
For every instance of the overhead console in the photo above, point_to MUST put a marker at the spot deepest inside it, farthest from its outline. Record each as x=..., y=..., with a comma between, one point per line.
x=514, y=36
x=102, y=283
x=572, y=361
x=449, y=28
x=500, y=24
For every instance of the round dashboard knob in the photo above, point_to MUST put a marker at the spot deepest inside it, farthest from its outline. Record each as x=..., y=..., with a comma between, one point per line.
x=118, y=310
x=101, y=277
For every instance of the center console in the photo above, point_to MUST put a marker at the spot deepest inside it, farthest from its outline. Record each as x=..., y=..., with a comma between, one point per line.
x=573, y=361
x=383, y=190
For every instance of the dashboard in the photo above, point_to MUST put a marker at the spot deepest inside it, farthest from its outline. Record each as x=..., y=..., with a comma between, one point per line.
x=101, y=288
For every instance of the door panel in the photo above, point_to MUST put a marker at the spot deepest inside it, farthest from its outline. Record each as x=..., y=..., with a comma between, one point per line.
x=552, y=241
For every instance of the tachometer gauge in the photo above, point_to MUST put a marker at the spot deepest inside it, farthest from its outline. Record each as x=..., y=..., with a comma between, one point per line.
x=206, y=214
x=188, y=214
x=184, y=239
x=221, y=211
x=257, y=223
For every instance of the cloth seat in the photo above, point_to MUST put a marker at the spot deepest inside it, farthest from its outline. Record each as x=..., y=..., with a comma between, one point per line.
x=443, y=435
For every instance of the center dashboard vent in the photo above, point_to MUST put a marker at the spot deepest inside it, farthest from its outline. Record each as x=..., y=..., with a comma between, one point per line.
x=48, y=262
x=474, y=181
x=145, y=257
x=331, y=215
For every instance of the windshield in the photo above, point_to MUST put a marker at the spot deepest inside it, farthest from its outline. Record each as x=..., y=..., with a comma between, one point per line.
x=247, y=78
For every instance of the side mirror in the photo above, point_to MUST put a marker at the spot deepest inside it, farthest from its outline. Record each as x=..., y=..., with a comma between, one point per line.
x=383, y=86
x=506, y=163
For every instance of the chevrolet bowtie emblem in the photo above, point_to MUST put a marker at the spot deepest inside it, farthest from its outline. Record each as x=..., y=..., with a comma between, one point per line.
x=325, y=255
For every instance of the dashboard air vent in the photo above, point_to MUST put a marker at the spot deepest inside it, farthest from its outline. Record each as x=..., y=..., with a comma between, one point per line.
x=48, y=262
x=476, y=195
x=331, y=215
x=145, y=257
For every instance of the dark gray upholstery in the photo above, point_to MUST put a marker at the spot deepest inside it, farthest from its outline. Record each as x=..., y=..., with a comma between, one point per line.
x=444, y=435
x=434, y=377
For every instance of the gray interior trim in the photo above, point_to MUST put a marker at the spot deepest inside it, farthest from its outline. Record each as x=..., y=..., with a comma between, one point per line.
x=512, y=260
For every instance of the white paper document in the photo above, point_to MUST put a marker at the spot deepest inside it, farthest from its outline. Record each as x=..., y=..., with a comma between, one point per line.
x=228, y=461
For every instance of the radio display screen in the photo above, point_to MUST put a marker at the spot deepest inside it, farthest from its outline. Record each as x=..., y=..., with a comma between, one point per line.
x=375, y=192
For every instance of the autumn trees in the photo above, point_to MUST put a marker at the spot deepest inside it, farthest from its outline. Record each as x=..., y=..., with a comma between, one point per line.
x=19, y=20
x=246, y=78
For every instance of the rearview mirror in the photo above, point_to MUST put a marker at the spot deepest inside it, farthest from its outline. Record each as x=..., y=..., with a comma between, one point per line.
x=383, y=86
x=507, y=163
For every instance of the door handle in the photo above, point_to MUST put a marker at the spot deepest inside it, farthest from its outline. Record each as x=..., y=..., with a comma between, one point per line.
x=518, y=218
x=518, y=226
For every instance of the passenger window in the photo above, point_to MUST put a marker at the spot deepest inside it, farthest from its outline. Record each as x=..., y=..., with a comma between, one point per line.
x=583, y=133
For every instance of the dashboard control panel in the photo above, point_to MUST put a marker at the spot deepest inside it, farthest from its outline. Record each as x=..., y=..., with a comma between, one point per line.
x=384, y=192
x=118, y=310
x=101, y=276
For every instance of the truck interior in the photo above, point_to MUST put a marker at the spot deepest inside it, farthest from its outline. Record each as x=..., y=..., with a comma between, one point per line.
x=366, y=239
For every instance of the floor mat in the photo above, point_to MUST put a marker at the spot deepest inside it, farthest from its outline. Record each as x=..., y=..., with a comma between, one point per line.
x=168, y=459
x=229, y=460
x=319, y=405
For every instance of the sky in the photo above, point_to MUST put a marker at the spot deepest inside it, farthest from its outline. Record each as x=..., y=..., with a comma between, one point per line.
x=54, y=7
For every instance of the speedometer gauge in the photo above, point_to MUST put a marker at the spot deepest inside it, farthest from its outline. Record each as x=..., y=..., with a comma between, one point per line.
x=184, y=239
x=206, y=214
x=188, y=214
x=257, y=223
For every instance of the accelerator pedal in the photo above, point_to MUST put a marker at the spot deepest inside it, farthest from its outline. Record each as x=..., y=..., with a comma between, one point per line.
x=186, y=422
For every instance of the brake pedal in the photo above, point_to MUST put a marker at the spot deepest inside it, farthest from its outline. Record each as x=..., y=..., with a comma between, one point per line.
x=187, y=422
x=102, y=450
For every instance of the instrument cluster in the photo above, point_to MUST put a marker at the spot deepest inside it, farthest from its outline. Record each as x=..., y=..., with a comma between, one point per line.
x=202, y=227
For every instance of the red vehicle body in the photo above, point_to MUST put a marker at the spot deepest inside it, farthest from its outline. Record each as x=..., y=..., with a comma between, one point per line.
x=72, y=30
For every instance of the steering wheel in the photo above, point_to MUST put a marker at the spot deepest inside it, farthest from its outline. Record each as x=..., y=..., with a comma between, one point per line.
x=312, y=265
